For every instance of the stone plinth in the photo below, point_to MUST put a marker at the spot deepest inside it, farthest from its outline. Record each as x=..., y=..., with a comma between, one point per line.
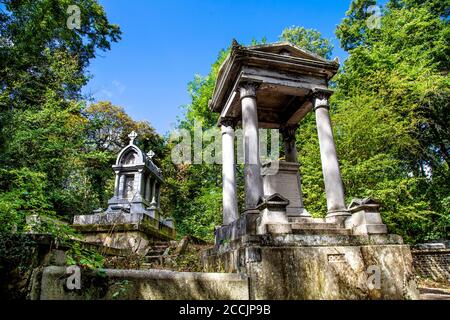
x=365, y=218
x=286, y=181
x=273, y=216
x=124, y=230
x=244, y=225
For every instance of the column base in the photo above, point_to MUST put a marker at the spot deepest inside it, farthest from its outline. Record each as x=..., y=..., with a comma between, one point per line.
x=337, y=216
x=299, y=212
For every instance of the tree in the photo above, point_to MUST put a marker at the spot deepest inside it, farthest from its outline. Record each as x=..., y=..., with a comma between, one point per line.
x=192, y=192
x=390, y=112
x=353, y=30
x=43, y=65
x=308, y=39
x=109, y=127
x=33, y=35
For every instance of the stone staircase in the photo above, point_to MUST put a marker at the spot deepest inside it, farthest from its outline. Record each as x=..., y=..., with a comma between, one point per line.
x=315, y=226
x=156, y=254
x=319, y=228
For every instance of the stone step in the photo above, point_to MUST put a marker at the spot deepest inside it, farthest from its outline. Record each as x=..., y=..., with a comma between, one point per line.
x=160, y=243
x=293, y=219
x=318, y=226
x=155, y=252
x=159, y=247
x=323, y=231
x=147, y=266
x=150, y=259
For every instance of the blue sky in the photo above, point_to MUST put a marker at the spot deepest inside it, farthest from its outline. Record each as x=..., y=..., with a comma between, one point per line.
x=165, y=43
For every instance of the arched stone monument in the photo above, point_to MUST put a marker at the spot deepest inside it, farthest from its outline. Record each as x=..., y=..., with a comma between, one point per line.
x=133, y=216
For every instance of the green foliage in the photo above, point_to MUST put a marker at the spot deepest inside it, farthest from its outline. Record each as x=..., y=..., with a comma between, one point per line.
x=189, y=261
x=34, y=34
x=84, y=257
x=42, y=129
x=23, y=195
x=204, y=213
x=390, y=119
x=122, y=288
x=390, y=113
x=308, y=39
x=16, y=251
x=353, y=30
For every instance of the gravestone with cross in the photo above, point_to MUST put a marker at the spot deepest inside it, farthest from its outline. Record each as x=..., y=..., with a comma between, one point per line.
x=134, y=210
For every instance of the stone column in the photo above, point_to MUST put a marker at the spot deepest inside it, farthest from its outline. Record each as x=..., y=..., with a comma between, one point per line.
x=158, y=191
x=229, y=193
x=153, y=203
x=138, y=185
x=330, y=167
x=116, y=185
x=121, y=187
x=252, y=165
x=148, y=188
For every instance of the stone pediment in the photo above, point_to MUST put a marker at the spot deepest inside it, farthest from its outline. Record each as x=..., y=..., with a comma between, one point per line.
x=288, y=49
x=275, y=199
x=130, y=156
x=286, y=76
x=363, y=202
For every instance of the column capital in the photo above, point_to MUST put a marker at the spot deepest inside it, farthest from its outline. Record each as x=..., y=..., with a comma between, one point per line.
x=248, y=89
x=320, y=98
x=228, y=122
x=288, y=131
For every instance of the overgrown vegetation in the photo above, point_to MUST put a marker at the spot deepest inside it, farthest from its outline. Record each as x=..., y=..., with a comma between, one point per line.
x=390, y=115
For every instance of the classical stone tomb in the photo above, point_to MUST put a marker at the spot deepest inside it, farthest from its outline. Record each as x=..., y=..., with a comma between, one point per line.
x=285, y=252
x=133, y=217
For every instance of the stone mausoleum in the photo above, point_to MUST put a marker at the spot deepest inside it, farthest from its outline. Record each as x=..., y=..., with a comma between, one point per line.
x=133, y=218
x=275, y=242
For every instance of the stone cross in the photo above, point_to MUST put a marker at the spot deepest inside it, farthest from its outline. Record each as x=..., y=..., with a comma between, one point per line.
x=150, y=154
x=132, y=136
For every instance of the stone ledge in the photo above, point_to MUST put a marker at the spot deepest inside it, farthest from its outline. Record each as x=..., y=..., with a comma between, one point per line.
x=304, y=240
x=144, y=285
x=423, y=251
x=123, y=223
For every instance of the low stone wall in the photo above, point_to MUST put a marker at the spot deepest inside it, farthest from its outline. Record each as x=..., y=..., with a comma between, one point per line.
x=142, y=285
x=432, y=263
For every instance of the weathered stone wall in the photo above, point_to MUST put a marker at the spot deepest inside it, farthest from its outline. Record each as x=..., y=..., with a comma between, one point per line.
x=332, y=273
x=432, y=263
x=302, y=269
x=143, y=285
